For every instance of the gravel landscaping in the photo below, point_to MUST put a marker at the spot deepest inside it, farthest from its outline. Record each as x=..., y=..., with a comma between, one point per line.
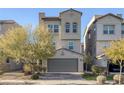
x=14, y=76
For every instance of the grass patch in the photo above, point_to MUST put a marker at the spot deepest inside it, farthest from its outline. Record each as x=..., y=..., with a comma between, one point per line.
x=110, y=77
x=88, y=76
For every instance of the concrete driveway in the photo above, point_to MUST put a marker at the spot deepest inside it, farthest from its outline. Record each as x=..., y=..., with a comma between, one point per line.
x=18, y=78
x=61, y=76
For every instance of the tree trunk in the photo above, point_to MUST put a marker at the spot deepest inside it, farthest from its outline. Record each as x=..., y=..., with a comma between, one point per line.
x=107, y=68
x=86, y=67
x=120, y=72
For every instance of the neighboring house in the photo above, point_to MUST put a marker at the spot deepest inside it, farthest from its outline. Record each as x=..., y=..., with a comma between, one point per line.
x=4, y=26
x=66, y=31
x=100, y=31
x=7, y=24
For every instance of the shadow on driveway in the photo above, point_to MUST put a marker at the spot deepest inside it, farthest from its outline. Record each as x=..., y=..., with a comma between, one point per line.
x=61, y=76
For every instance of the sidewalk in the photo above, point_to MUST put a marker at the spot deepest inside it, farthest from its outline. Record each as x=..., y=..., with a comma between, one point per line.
x=50, y=82
x=46, y=82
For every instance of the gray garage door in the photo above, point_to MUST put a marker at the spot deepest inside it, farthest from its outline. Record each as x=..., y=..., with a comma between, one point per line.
x=62, y=65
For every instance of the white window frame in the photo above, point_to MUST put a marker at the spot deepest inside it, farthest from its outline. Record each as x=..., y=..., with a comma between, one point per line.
x=56, y=28
x=108, y=29
x=50, y=28
x=75, y=27
x=67, y=26
x=71, y=44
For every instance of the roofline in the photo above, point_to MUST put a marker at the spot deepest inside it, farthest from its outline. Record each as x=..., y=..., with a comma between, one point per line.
x=89, y=24
x=8, y=21
x=101, y=55
x=107, y=15
x=51, y=18
x=93, y=20
x=69, y=50
x=71, y=9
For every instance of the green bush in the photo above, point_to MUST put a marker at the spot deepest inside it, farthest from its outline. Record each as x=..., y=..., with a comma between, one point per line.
x=116, y=78
x=97, y=70
x=1, y=72
x=27, y=69
x=39, y=68
x=101, y=79
x=35, y=76
x=89, y=76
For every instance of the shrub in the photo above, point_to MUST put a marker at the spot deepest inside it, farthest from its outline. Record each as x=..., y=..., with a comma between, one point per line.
x=27, y=69
x=39, y=68
x=97, y=70
x=88, y=76
x=101, y=79
x=4, y=68
x=35, y=76
x=116, y=78
x=1, y=72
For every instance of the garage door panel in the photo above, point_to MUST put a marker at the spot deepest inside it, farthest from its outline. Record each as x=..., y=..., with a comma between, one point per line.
x=62, y=65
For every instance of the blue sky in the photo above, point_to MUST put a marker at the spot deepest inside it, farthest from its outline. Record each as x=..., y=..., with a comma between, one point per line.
x=25, y=16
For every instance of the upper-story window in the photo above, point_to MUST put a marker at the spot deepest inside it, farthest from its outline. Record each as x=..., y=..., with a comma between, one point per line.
x=74, y=27
x=67, y=27
x=122, y=29
x=50, y=27
x=56, y=28
x=71, y=45
x=108, y=29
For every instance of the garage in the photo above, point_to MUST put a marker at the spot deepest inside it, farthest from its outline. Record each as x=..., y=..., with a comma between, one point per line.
x=62, y=65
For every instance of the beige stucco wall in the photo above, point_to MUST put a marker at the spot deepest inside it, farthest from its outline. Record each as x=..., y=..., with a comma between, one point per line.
x=105, y=40
x=70, y=16
x=102, y=62
x=77, y=45
x=56, y=36
x=108, y=20
x=100, y=45
x=6, y=26
x=61, y=38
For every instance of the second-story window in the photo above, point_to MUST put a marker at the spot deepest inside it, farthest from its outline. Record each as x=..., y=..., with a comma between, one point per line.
x=74, y=27
x=50, y=27
x=67, y=27
x=71, y=45
x=56, y=28
x=122, y=29
x=108, y=29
